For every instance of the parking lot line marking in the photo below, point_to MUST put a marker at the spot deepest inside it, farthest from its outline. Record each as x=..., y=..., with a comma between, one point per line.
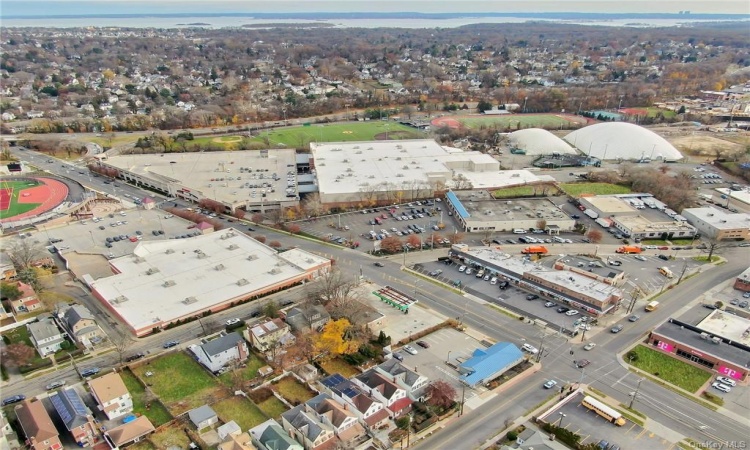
x=643, y=431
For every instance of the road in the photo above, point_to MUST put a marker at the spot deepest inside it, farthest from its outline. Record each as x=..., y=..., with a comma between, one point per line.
x=606, y=374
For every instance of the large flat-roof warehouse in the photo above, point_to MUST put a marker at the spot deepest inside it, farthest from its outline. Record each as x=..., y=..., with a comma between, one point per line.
x=387, y=171
x=255, y=180
x=170, y=280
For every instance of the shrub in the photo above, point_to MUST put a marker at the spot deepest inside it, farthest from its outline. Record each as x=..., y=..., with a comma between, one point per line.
x=402, y=422
x=512, y=435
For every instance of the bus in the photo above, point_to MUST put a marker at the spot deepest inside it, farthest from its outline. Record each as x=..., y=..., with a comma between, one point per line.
x=651, y=306
x=603, y=410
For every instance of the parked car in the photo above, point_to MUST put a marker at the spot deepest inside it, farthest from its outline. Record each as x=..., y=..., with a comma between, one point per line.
x=743, y=304
x=423, y=344
x=640, y=258
x=571, y=313
x=532, y=297
x=233, y=321
x=398, y=356
x=582, y=363
x=13, y=399
x=530, y=348
x=378, y=264
x=91, y=371
x=55, y=385
x=435, y=273
x=727, y=381
x=614, y=263
x=503, y=285
x=550, y=305
x=616, y=329
x=563, y=309
x=589, y=346
x=410, y=350
x=550, y=384
x=721, y=387
x=135, y=357
x=171, y=344
x=634, y=318
x=663, y=257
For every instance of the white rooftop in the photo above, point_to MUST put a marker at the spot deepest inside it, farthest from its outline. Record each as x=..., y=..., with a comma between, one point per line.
x=166, y=280
x=217, y=175
x=346, y=167
x=537, y=141
x=718, y=218
x=729, y=326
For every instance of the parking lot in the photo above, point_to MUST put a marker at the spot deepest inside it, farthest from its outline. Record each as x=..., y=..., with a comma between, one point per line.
x=593, y=428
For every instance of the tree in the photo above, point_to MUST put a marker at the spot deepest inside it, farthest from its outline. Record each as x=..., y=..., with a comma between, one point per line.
x=713, y=245
x=293, y=228
x=414, y=241
x=595, y=236
x=333, y=289
x=391, y=244
x=455, y=238
x=23, y=252
x=18, y=354
x=121, y=345
x=333, y=340
x=239, y=213
x=260, y=238
x=274, y=244
x=484, y=105
x=257, y=218
x=10, y=291
x=441, y=394
x=271, y=309
x=541, y=224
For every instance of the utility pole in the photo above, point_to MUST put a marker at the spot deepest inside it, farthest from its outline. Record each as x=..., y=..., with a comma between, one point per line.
x=682, y=273
x=463, y=397
x=635, y=394
x=541, y=347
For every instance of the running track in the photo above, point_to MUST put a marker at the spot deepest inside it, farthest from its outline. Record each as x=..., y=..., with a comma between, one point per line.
x=52, y=193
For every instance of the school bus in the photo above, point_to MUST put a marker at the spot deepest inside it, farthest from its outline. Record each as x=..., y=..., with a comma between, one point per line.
x=603, y=410
x=652, y=306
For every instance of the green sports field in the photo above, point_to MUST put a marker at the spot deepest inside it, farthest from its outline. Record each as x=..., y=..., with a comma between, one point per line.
x=352, y=131
x=14, y=207
x=512, y=121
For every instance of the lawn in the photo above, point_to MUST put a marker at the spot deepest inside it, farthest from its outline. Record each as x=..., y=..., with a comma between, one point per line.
x=16, y=187
x=272, y=407
x=513, y=120
x=118, y=139
x=578, y=189
x=669, y=369
x=21, y=335
x=293, y=391
x=241, y=410
x=179, y=381
x=248, y=372
x=142, y=445
x=156, y=412
x=337, y=365
x=170, y=437
x=519, y=191
x=299, y=136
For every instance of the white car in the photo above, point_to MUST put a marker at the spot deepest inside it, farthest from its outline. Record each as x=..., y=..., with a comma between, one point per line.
x=493, y=280
x=640, y=258
x=462, y=268
x=231, y=322
x=468, y=271
x=530, y=348
x=410, y=350
x=550, y=384
x=721, y=387
x=572, y=312
x=649, y=247
x=589, y=346
x=727, y=381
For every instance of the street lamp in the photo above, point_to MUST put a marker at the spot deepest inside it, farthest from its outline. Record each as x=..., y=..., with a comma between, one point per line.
x=562, y=416
x=448, y=359
x=524, y=104
x=633, y=395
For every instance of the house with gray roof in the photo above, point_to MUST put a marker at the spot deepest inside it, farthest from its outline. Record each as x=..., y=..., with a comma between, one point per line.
x=80, y=324
x=203, y=417
x=306, y=427
x=270, y=436
x=45, y=335
x=222, y=351
x=302, y=318
x=414, y=383
x=75, y=415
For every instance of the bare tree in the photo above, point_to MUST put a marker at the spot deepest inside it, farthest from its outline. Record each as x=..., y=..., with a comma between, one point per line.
x=333, y=288
x=24, y=252
x=121, y=344
x=595, y=236
x=713, y=246
x=18, y=354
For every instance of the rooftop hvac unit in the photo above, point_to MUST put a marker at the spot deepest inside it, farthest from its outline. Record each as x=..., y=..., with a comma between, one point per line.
x=274, y=271
x=168, y=283
x=120, y=299
x=252, y=257
x=219, y=267
x=138, y=260
x=242, y=282
x=202, y=255
x=152, y=271
x=189, y=300
x=169, y=251
x=233, y=247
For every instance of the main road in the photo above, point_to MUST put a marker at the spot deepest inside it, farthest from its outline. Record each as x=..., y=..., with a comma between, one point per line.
x=672, y=411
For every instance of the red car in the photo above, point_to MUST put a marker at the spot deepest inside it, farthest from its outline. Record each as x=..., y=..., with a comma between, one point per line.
x=582, y=208
x=423, y=344
x=663, y=248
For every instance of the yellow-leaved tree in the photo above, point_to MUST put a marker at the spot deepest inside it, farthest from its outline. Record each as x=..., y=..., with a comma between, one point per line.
x=333, y=340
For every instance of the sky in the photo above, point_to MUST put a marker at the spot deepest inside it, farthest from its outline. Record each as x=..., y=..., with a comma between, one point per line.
x=67, y=7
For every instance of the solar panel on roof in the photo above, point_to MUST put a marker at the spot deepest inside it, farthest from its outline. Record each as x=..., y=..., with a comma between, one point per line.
x=75, y=401
x=333, y=380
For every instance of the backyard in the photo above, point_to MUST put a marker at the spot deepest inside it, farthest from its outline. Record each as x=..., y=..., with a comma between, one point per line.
x=155, y=411
x=180, y=382
x=578, y=189
x=246, y=373
x=336, y=365
x=292, y=390
x=241, y=410
x=669, y=369
x=169, y=437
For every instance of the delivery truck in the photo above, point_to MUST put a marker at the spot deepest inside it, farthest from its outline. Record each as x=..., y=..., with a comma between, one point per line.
x=606, y=223
x=535, y=250
x=591, y=213
x=629, y=249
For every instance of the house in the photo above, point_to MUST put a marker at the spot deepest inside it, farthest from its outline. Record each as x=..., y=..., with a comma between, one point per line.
x=228, y=429
x=28, y=301
x=487, y=364
x=239, y=441
x=80, y=324
x=269, y=335
x=111, y=395
x=7, y=269
x=411, y=381
x=45, y=335
x=270, y=436
x=370, y=410
x=8, y=437
x=345, y=423
x=75, y=415
x=37, y=425
x=129, y=432
x=384, y=390
x=307, y=372
x=302, y=318
x=219, y=352
x=367, y=317
x=203, y=417
x=148, y=203
x=306, y=427
x=533, y=439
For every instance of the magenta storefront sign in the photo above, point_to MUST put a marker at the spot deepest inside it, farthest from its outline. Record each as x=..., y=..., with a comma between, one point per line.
x=731, y=373
x=665, y=346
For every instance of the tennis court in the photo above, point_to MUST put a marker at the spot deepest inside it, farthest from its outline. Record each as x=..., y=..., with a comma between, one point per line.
x=512, y=121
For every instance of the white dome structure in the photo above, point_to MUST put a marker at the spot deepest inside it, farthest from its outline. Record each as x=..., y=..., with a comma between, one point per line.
x=536, y=141
x=621, y=140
